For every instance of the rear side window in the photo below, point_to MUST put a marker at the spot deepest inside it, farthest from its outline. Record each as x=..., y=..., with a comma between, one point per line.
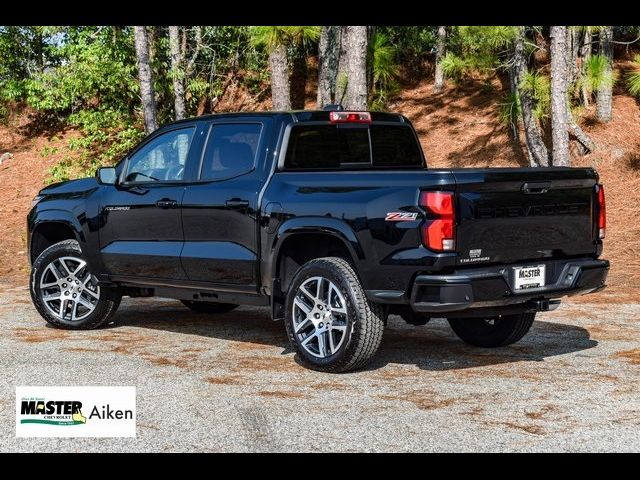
x=313, y=147
x=394, y=147
x=352, y=146
x=231, y=150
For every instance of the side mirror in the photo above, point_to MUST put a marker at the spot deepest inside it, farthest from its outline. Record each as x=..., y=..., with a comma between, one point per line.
x=106, y=175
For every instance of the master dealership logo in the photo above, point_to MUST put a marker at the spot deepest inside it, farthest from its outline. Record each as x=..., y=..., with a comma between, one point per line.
x=75, y=411
x=51, y=412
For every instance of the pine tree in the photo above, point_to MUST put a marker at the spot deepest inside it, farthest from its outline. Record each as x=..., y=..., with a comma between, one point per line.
x=538, y=153
x=604, y=98
x=440, y=52
x=559, y=110
x=276, y=39
x=145, y=77
x=177, y=72
x=328, y=57
x=356, y=53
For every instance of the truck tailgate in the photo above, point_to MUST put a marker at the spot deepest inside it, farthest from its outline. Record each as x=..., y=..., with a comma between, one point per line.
x=512, y=215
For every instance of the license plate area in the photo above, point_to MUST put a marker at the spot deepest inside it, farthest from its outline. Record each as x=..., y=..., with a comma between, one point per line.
x=526, y=278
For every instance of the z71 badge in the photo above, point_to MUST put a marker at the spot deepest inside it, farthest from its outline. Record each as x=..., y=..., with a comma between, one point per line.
x=401, y=217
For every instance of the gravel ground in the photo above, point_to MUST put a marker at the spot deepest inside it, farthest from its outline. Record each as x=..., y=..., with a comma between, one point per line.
x=231, y=383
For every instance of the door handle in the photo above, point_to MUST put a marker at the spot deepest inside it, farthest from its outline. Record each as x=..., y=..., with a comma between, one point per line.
x=536, y=188
x=237, y=203
x=166, y=203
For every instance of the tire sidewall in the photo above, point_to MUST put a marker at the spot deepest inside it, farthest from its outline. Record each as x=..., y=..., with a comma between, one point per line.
x=62, y=249
x=349, y=345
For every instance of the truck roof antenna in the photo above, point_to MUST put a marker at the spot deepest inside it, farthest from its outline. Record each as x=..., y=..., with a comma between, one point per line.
x=333, y=107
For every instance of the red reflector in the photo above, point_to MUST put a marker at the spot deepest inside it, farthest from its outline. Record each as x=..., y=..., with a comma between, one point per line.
x=439, y=233
x=350, y=117
x=602, y=212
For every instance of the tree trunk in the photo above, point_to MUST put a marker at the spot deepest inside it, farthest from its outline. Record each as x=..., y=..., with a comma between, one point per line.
x=177, y=72
x=440, y=52
x=605, y=92
x=280, y=86
x=191, y=64
x=559, y=110
x=585, y=55
x=298, y=79
x=342, y=77
x=538, y=153
x=152, y=33
x=145, y=77
x=356, y=97
x=328, y=56
x=573, y=47
x=586, y=144
x=371, y=33
x=39, y=50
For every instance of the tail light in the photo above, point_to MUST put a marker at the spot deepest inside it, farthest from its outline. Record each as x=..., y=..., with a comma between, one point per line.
x=602, y=212
x=438, y=232
x=350, y=117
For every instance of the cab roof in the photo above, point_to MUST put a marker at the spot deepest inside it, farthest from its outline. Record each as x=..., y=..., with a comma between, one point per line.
x=296, y=116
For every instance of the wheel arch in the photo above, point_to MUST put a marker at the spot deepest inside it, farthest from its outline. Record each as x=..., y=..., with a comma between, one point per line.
x=50, y=229
x=301, y=240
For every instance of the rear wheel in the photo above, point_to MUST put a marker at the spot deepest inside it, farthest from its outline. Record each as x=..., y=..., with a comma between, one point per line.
x=498, y=331
x=66, y=293
x=330, y=322
x=209, y=307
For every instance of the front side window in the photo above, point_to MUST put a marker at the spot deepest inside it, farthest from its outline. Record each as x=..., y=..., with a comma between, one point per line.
x=231, y=150
x=162, y=159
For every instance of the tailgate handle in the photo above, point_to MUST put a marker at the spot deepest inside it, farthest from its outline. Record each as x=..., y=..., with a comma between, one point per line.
x=536, y=188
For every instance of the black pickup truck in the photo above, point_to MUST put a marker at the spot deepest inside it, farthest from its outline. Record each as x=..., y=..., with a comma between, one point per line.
x=331, y=218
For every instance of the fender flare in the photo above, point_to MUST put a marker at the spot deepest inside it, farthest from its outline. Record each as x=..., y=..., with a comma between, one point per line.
x=321, y=225
x=300, y=225
x=58, y=216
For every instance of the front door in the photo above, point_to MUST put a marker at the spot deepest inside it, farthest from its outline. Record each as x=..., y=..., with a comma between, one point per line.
x=220, y=209
x=142, y=235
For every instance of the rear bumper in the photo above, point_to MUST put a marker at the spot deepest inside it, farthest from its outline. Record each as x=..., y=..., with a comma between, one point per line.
x=489, y=287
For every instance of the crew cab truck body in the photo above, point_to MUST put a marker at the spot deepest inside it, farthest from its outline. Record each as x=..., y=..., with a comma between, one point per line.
x=331, y=218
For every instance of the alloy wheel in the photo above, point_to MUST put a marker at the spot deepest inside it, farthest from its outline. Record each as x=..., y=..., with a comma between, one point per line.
x=320, y=317
x=68, y=289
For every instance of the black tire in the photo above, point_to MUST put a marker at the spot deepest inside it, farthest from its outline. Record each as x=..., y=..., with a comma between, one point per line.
x=492, y=332
x=105, y=305
x=411, y=317
x=208, y=307
x=364, y=320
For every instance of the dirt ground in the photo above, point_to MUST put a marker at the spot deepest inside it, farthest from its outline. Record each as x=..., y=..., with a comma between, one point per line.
x=231, y=383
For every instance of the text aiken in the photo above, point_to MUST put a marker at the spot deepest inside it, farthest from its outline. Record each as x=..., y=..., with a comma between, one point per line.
x=106, y=413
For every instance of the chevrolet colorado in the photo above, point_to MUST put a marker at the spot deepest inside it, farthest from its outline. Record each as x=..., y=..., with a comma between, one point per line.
x=331, y=218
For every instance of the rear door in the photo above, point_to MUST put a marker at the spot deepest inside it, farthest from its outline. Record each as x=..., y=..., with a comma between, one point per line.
x=515, y=215
x=220, y=209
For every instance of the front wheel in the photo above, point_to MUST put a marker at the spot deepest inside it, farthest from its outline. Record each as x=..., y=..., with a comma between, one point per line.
x=66, y=294
x=330, y=322
x=492, y=332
